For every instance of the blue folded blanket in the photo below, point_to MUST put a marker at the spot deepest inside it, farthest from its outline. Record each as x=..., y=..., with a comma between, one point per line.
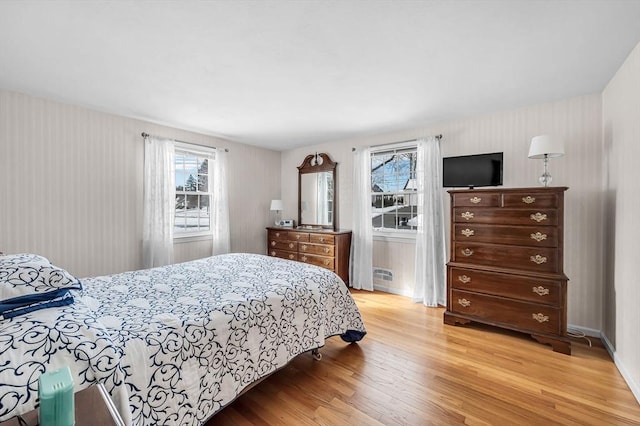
x=21, y=305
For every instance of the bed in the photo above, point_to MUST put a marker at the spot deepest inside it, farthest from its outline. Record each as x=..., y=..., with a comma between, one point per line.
x=176, y=344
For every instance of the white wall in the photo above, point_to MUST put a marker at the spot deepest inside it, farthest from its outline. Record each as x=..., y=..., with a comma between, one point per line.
x=576, y=120
x=71, y=186
x=621, y=143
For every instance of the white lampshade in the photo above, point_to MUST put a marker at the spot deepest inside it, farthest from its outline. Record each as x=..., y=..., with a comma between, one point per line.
x=545, y=145
x=277, y=205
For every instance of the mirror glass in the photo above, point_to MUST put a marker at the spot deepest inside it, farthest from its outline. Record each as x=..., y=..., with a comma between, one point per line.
x=316, y=198
x=317, y=192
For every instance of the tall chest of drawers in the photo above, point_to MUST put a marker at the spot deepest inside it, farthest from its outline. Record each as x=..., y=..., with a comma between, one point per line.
x=506, y=262
x=329, y=249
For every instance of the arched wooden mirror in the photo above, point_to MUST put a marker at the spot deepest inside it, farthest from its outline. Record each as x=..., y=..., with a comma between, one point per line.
x=317, y=192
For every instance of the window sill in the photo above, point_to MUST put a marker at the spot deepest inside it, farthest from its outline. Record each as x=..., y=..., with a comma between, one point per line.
x=181, y=239
x=395, y=237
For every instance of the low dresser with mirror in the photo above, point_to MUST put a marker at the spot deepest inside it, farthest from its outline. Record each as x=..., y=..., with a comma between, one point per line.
x=316, y=240
x=326, y=248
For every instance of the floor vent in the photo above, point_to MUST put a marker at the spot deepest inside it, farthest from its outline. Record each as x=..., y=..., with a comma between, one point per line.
x=382, y=274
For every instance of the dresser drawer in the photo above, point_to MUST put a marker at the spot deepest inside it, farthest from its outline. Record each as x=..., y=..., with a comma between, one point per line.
x=298, y=236
x=283, y=245
x=277, y=235
x=321, y=249
x=507, y=285
x=322, y=239
x=510, y=313
x=540, y=236
x=531, y=200
x=325, y=262
x=533, y=259
x=504, y=216
x=476, y=200
x=283, y=254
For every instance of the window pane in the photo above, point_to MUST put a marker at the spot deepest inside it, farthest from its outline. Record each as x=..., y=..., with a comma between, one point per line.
x=192, y=202
x=179, y=161
x=376, y=201
x=180, y=180
x=389, y=220
x=203, y=177
x=180, y=214
x=404, y=214
x=191, y=165
x=204, y=213
x=204, y=202
x=190, y=183
x=377, y=220
x=203, y=183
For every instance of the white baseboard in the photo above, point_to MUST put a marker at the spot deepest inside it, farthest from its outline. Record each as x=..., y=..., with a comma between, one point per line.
x=587, y=331
x=633, y=385
x=391, y=290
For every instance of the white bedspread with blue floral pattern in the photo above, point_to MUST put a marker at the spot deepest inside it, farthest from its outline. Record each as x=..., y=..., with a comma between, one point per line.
x=175, y=344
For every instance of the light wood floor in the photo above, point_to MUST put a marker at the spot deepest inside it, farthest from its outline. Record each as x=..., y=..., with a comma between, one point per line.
x=411, y=369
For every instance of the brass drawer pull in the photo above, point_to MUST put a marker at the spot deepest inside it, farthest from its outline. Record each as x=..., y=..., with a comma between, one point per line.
x=538, y=217
x=464, y=279
x=475, y=200
x=464, y=302
x=467, y=232
x=326, y=263
x=291, y=245
x=297, y=237
x=540, y=291
x=528, y=199
x=327, y=249
x=538, y=236
x=277, y=234
x=467, y=215
x=292, y=256
x=273, y=243
x=303, y=247
x=537, y=259
x=322, y=239
x=273, y=253
x=467, y=252
x=303, y=258
x=540, y=317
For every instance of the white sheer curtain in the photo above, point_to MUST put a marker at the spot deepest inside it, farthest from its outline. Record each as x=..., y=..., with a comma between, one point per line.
x=220, y=205
x=159, y=201
x=362, y=245
x=430, y=238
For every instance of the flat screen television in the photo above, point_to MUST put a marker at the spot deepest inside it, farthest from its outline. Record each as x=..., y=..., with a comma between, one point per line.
x=472, y=170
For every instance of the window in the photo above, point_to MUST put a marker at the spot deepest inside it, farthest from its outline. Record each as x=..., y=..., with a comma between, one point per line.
x=394, y=189
x=193, y=194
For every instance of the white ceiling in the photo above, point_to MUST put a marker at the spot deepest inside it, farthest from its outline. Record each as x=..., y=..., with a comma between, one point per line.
x=282, y=74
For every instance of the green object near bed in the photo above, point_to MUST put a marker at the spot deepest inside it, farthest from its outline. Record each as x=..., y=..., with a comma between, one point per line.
x=55, y=390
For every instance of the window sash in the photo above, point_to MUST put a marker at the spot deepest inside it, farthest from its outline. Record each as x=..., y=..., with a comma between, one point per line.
x=393, y=208
x=194, y=221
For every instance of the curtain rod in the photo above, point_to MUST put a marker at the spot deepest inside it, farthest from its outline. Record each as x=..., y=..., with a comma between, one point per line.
x=146, y=135
x=439, y=137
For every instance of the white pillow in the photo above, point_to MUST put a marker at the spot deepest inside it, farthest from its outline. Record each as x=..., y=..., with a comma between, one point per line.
x=25, y=278
x=16, y=259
